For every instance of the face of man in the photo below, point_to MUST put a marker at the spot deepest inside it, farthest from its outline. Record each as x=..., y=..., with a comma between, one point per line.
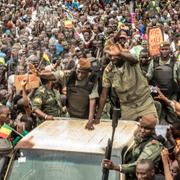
x=5, y=115
x=144, y=58
x=14, y=52
x=86, y=36
x=116, y=61
x=146, y=127
x=165, y=50
x=81, y=74
x=174, y=168
x=143, y=172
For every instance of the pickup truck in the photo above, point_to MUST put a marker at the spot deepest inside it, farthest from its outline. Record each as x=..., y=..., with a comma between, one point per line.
x=64, y=150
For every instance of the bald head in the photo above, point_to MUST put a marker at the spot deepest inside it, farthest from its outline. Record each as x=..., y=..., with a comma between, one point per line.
x=149, y=121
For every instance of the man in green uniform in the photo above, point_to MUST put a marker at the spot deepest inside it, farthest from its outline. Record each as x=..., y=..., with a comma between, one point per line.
x=46, y=101
x=164, y=72
x=146, y=146
x=123, y=73
x=82, y=90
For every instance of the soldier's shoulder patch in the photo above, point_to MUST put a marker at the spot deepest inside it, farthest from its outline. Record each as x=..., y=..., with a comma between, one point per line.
x=37, y=100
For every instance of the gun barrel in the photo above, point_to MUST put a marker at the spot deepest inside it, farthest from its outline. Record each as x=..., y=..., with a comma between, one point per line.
x=115, y=117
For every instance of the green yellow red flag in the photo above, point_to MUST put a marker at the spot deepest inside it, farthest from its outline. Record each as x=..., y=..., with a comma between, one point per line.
x=5, y=131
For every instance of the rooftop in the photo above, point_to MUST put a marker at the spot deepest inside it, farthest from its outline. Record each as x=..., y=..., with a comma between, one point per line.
x=70, y=135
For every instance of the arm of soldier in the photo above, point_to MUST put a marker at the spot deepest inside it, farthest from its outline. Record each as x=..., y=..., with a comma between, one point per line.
x=92, y=106
x=123, y=53
x=102, y=101
x=150, y=72
x=36, y=107
x=128, y=56
x=151, y=151
x=47, y=75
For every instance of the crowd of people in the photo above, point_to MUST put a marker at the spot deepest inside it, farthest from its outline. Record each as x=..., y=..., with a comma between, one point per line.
x=89, y=57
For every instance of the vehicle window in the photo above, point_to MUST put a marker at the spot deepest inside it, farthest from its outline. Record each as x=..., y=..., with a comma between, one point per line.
x=53, y=165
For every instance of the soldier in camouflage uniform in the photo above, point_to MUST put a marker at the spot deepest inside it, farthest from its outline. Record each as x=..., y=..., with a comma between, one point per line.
x=146, y=146
x=46, y=101
x=164, y=72
x=82, y=90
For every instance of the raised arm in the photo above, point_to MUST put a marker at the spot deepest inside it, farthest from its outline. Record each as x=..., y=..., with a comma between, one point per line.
x=117, y=50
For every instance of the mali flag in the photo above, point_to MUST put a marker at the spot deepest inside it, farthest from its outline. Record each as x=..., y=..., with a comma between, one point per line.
x=5, y=131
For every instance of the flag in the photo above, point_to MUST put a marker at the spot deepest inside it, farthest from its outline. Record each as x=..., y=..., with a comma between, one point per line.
x=5, y=131
x=46, y=57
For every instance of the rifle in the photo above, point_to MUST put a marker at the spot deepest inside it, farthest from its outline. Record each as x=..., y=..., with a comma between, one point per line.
x=115, y=117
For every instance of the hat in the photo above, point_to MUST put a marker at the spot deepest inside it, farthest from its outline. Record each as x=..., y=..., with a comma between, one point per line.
x=164, y=44
x=83, y=64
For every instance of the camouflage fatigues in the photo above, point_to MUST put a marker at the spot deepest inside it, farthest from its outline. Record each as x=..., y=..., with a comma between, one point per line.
x=47, y=100
x=142, y=149
x=167, y=111
x=132, y=89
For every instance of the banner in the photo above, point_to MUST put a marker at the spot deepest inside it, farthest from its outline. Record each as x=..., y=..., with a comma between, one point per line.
x=155, y=38
x=32, y=81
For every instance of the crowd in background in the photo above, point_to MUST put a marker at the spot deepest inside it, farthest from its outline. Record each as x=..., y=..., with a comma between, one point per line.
x=47, y=37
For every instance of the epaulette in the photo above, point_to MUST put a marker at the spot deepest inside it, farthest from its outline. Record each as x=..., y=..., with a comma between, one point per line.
x=109, y=67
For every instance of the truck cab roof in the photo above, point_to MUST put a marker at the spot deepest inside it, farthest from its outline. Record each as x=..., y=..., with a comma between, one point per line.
x=70, y=135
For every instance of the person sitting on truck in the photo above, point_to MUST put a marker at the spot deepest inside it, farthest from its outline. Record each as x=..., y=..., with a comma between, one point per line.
x=146, y=146
x=145, y=171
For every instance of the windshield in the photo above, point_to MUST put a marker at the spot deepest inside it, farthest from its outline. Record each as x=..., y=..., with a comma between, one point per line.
x=52, y=165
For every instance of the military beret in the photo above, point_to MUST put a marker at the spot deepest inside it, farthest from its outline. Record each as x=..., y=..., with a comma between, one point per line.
x=164, y=44
x=83, y=64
